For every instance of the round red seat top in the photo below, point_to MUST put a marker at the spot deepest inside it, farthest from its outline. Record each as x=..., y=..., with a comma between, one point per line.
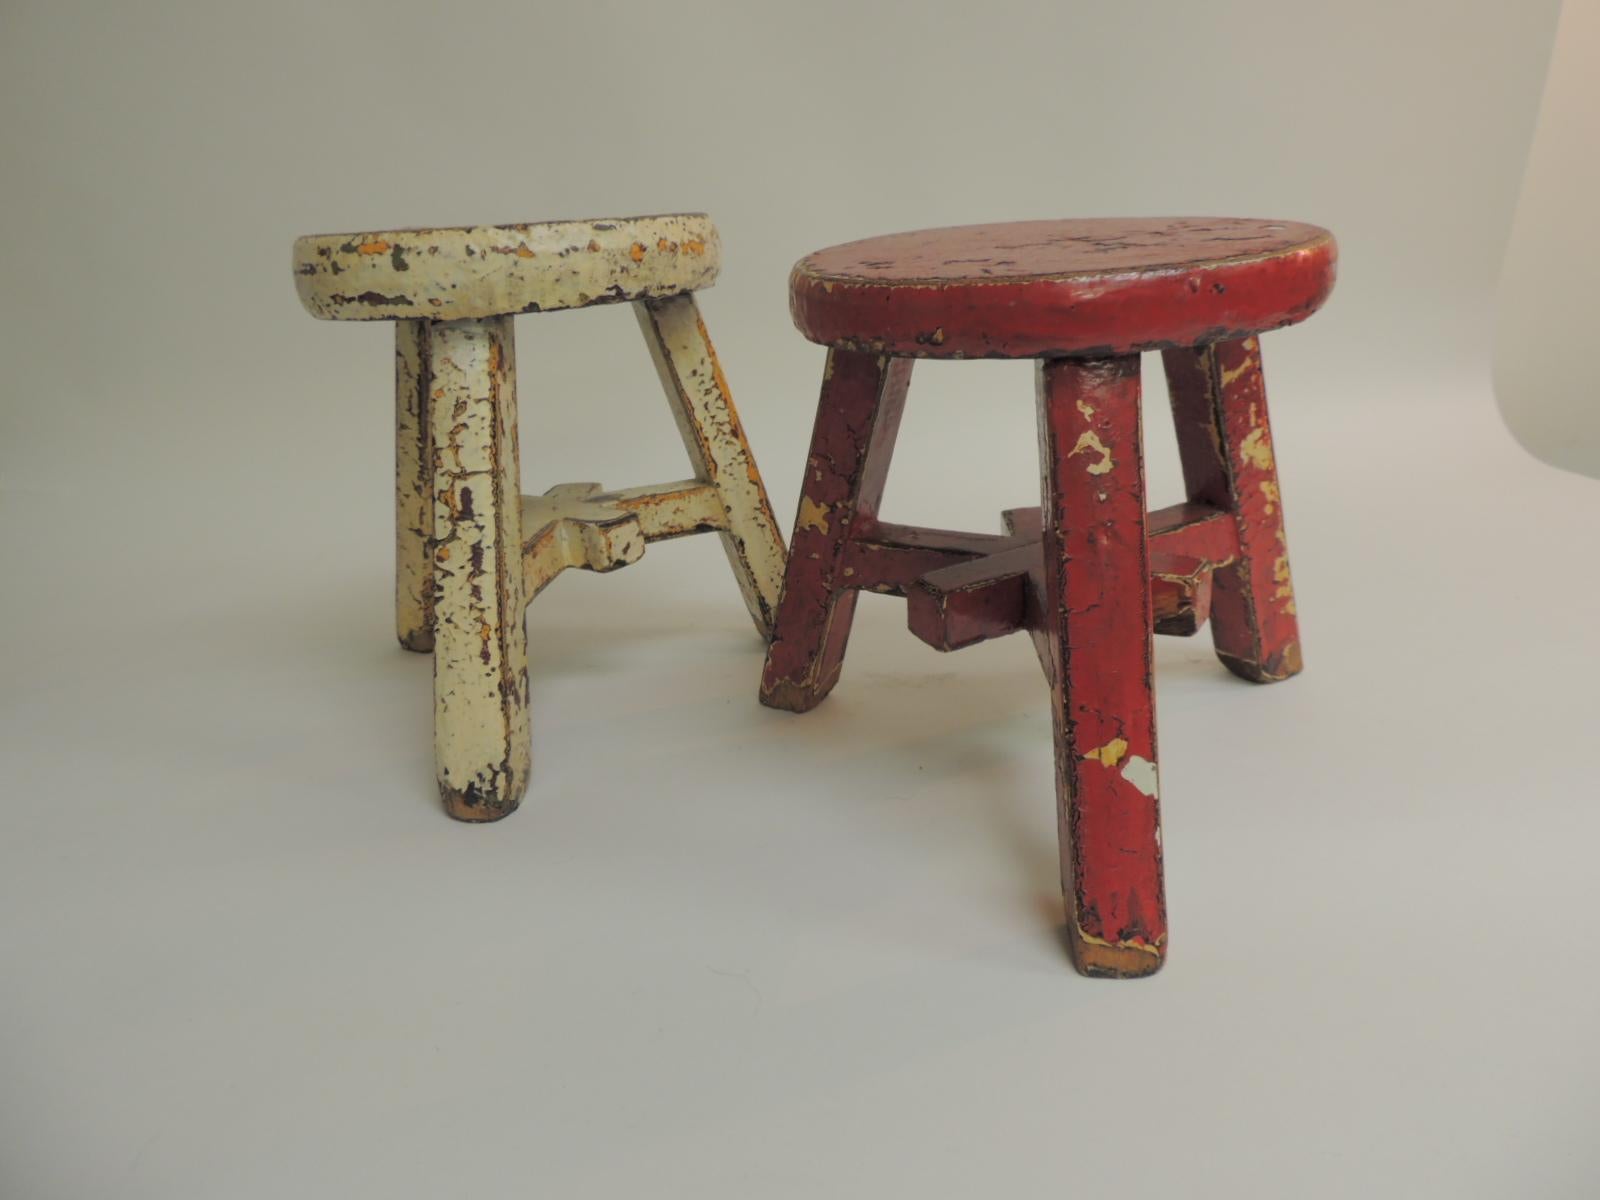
x=1041, y=289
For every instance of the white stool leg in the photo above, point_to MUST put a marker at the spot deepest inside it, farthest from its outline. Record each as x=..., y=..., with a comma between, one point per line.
x=709, y=424
x=413, y=489
x=480, y=662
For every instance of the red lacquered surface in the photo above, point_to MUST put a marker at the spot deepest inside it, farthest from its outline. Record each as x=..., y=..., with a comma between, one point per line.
x=1084, y=288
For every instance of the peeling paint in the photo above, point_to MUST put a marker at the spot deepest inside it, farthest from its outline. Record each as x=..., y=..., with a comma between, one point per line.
x=483, y=271
x=812, y=515
x=1089, y=443
x=1256, y=449
x=1108, y=755
x=1142, y=773
x=480, y=649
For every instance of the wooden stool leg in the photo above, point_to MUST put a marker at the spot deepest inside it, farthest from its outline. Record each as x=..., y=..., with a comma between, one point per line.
x=858, y=417
x=1219, y=403
x=413, y=489
x=1097, y=624
x=703, y=407
x=480, y=662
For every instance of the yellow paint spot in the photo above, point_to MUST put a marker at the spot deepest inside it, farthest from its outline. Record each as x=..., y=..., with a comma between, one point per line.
x=1246, y=364
x=1089, y=443
x=594, y=246
x=523, y=251
x=443, y=555
x=1285, y=590
x=485, y=631
x=1256, y=449
x=1108, y=755
x=636, y=252
x=1085, y=408
x=666, y=247
x=938, y=336
x=1270, y=491
x=812, y=515
x=373, y=248
x=695, y=246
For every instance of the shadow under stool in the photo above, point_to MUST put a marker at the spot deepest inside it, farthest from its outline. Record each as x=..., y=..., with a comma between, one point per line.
x=471, y=550
x=1091, y=574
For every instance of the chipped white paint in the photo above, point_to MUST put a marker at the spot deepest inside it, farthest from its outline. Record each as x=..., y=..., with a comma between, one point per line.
x=491, y=270
x=480, y=664
x=1142, y=773
x=413, y=489
x=669, y=510
x=709, y=424
x=464, y=569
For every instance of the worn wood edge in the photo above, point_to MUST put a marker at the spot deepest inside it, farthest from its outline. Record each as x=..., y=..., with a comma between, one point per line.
x=471, y=272
x=1100, y=959
x=803, y=270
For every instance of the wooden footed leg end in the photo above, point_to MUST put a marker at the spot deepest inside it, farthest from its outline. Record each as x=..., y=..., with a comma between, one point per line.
x=480, y=807
x=804, y=691
x=1273, y=668
x=1103, y=960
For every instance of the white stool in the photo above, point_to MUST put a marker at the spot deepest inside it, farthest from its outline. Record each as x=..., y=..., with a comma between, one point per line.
x=470, y=549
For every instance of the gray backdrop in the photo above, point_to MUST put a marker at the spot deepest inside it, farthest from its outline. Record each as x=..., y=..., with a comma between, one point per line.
x=721, y=950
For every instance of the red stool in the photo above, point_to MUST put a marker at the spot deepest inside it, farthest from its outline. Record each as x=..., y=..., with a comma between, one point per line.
x=1092, y=573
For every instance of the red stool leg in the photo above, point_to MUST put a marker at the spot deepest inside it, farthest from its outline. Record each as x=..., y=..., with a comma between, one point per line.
x=1096, y=614
x=1219, y=403
x=858, y=417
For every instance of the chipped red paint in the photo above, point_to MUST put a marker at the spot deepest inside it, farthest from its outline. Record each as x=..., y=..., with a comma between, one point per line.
x=858, y=417
x=1098, y=623
x=1219, y=404
x=1091, y=575
x=1035, y=289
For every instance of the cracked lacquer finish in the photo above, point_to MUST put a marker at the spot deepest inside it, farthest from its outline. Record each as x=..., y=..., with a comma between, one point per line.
x=1098, y=632
x=470, y=550
x=491, y=270
x=858, y=417
x=709, y=424
x=1036, y=289
x=480, y=655
x=1219, y=403
x=413, y=489
x=1091, y=574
